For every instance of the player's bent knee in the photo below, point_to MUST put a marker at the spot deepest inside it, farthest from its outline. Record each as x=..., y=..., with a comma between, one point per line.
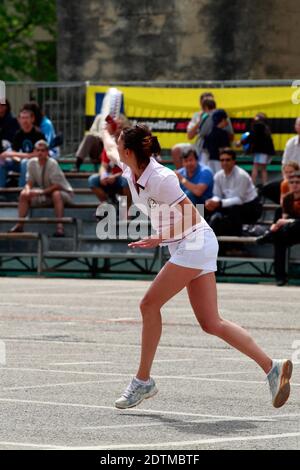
x=24, y=195
x=56, y=195
x=211, y=328
x=148, y=305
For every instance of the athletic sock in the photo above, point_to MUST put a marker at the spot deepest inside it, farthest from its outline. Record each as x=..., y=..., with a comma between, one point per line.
x=142, y=382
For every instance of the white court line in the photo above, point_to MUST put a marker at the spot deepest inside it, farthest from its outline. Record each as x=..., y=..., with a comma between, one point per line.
x=25, y=387
x=218, y=440
x=179, y=444
x=78, y=363
x=35, y=446
x=175, y=377
x=150, y=412
x=119, y=345
x=109, y=362
x=175, y=360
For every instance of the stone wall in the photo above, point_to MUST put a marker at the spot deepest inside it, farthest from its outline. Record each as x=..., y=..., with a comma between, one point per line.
x=178, y=39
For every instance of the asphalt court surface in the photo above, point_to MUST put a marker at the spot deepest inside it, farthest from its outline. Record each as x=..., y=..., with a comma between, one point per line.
x=71, y=347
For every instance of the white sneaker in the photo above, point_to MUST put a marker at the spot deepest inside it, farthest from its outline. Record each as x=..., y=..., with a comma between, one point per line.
x=135, y=393
x=279, y=377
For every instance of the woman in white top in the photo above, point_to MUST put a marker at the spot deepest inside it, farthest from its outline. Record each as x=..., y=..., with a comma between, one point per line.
x=193, y=248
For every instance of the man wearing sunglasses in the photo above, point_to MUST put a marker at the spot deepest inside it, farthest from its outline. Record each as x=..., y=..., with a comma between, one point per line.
x=235, y=201
x=286, y=231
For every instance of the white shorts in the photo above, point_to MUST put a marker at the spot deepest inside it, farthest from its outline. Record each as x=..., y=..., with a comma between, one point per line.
x=199, y=250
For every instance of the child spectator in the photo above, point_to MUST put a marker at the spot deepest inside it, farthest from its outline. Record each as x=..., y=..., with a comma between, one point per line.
x=260, y=146
x=287, y=171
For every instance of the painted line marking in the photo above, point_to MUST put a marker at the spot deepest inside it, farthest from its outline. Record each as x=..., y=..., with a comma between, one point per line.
x=179, y=444
x=114, y=374
x=158, y=444
x=151, y=412
x=63, y=384
x=78, y=363
x=118, y=345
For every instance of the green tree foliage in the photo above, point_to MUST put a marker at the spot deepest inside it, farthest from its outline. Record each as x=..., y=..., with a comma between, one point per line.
x=21, y=57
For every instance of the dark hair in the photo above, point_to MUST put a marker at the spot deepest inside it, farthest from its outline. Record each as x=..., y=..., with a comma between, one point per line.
x=206, y=94
x=24, y=110
x=230, y=152
x=295, y=174
x=34, y=107
x=189, y=153
x=209, y=103
x=140, y=140
x=260, y=125
x=218, y=116
x=261, y=117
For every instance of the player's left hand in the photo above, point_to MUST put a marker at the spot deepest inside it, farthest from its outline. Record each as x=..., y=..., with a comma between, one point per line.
x=149, y=242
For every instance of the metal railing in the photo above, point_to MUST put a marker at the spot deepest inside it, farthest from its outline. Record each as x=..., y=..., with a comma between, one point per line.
x=64, y=103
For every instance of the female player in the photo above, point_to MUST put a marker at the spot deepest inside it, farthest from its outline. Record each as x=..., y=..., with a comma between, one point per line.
x=193, y=248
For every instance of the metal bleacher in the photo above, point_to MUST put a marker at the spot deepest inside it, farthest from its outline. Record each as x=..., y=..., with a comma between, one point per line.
x=81, y=252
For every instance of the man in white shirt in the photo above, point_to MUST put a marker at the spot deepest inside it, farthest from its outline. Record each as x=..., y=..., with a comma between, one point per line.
x=235, y=201
x=292, y=147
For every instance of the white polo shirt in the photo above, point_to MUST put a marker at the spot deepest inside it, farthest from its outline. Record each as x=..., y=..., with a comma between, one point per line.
x=156, y=193
x=292, y=150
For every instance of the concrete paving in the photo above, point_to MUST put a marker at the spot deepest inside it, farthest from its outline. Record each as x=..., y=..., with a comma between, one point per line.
x=72, y=346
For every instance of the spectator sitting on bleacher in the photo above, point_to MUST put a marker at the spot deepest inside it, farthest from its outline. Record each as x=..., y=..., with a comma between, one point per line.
x=286, y=231
x=8, y=126
x=45, y=125
x=217, y=140
x=292, y=147
x=287, y=171
x=235, y=201
x=276, y=189
x=22, y=148
x=108, y=182
x=91, y=145
x=46, y=185
x=196, y=180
